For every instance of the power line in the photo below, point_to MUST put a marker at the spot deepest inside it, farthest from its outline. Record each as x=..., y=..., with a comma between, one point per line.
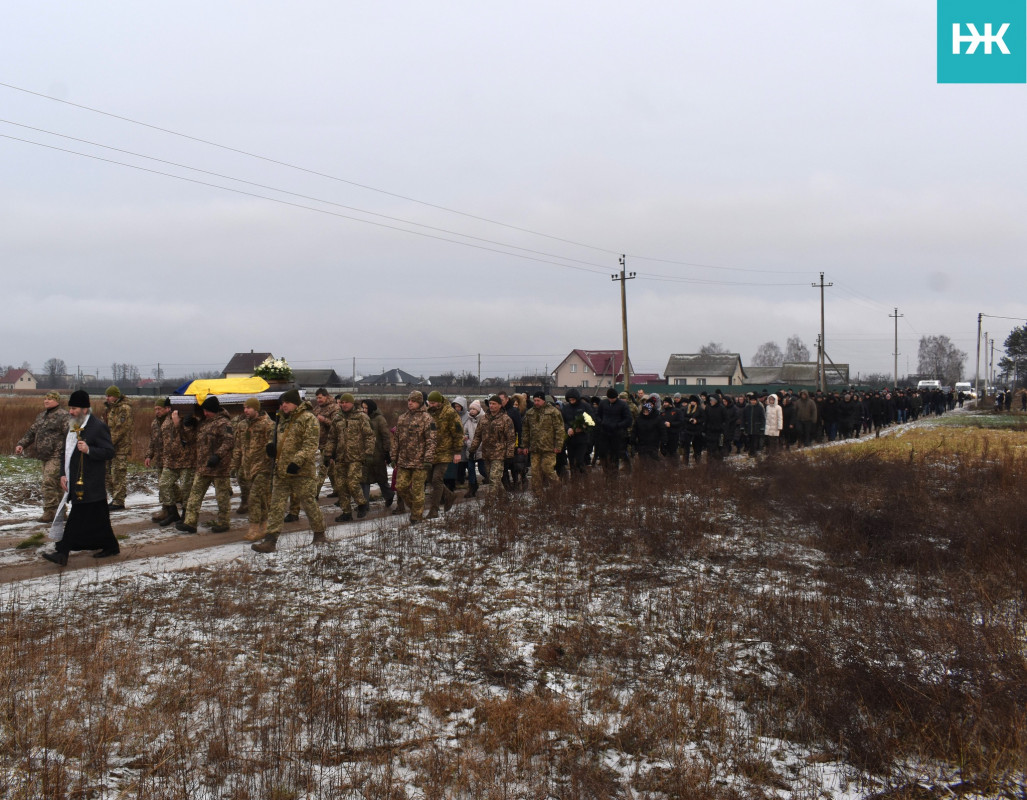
x=295, y=194
x=279, y=162
x=307, y=170
x=300, y=205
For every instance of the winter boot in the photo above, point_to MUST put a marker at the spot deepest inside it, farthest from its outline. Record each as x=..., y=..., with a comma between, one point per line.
x=292, y=518
x=181, y=526
x=160, y=514
x=266, y=545
x=319, y=538
x=448, y=498
x=362, y=511
x=254, y=533
x=170, y=516
x=243, y=509
x=217, y=527
x=387, y=496
x=47, y=516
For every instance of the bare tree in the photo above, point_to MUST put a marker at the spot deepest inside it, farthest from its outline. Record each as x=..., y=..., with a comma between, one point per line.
x=25, y=365
x=54, y=371
x=940, y=359
x=796, y=350
x=768, y=355
x=712, y=348
x=467, y=378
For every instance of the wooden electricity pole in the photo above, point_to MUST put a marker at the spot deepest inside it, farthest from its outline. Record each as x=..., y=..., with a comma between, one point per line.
x=821, y=348
x=896, y=315
x=623, y=278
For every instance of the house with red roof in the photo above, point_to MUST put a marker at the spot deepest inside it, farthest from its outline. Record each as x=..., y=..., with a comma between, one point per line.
x=18, y=380
x=591, y=369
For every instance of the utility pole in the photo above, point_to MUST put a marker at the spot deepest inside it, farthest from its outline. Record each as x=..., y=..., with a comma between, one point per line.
x=354, y=372
x=977, y=369
x=896, y=315
x=623, y=278
x=991, y=363
x=479, y=369
x=821, y=346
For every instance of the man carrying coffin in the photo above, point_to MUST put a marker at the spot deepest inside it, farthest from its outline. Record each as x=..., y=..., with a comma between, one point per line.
x=87, y=450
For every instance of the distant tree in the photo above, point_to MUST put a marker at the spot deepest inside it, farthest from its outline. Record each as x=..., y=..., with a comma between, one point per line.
x=467, y=378
x=878, y=379
x=940, y=359
x=796, y=350
x=54, y=371
x=1014, y=363
x=203, y=375
x=712, y=348
x=26, y=366
x=125, y=373
x=768, y=355
x=493, y=383
x=445, y=379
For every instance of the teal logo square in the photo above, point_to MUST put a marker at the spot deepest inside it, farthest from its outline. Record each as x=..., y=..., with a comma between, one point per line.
x=982, y=41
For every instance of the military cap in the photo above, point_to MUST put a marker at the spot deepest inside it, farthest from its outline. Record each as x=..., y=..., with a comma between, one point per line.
x=291, y=396
x=346, y=397
x=113, y=391
x=435, y=396
x=416, y=397
x=212, y=404
x=252, y=402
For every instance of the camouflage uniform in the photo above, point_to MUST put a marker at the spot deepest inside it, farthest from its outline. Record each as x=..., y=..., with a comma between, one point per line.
x=255, y=466
x=497, y=439
x=156, y=448
x=214, y=438
x=48, y=433
x=328, y=411
x=449, y=441
x=413, y=451
x=239, y=425
x=350, y=445
x=376, y=471
x=118, y=417
x=178, y=452
x=543, y=435
x=297, y=444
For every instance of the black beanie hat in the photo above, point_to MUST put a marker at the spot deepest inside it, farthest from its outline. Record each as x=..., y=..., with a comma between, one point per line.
x=291, y=396
x=611, y=393
x=541, y=395
x=78, y=399
x=212, y=404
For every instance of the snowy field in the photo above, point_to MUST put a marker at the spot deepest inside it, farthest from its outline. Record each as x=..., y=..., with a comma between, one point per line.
x=735, y=632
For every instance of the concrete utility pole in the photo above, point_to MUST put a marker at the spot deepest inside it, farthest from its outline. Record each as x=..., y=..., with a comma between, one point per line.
x=977, y=369
x=896, y=315
x=821, y=346
x=623, y=278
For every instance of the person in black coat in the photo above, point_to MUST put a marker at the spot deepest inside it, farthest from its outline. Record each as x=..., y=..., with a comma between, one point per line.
x=754, y=425
x=614, y=421
x=579, y=441
x=673, y=420
x=83, y=477
x=716, y=419
x=647, y=433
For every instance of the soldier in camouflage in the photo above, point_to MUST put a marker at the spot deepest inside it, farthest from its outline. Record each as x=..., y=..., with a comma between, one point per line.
x=214, y=444
x=118, y=416
x=239, y=430
x=178, y=452
x=255, y=466
x=449, y=444
x=377, y=472
x=413, y=453
x=542, y=437
x=295, y=471
x=349, y=449
x=47, y=435
x=496, y=437
x=325, y=410
x=154, y=454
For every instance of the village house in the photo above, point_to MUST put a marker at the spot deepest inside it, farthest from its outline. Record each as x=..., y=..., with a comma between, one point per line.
x=18, y=380
x=590, y=369
x=699, y=369
x=243, y=364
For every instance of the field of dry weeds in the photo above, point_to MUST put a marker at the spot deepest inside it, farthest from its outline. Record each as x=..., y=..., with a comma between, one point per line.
x=842, y=623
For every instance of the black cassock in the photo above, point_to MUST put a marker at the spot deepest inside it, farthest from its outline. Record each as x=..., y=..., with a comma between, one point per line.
x=89, y=523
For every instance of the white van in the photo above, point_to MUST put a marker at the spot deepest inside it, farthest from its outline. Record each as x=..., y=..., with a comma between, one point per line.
x=966, y=388
x=928, y=385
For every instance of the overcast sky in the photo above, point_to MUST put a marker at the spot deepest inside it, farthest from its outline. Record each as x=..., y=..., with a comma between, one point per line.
x=732, y=150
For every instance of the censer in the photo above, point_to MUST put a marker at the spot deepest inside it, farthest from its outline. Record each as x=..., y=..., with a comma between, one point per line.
x=80, y=484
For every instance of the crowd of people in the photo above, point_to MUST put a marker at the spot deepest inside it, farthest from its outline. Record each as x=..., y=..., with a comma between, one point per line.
x=437, y=445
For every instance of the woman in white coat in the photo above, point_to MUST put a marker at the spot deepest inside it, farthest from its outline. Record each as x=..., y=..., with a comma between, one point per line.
x=775, y=423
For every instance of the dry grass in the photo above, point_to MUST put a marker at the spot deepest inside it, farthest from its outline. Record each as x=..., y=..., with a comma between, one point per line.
x=856, y=614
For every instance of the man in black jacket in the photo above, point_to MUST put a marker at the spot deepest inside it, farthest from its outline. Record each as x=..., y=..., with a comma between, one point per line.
x=613, y=424
x=87, y=450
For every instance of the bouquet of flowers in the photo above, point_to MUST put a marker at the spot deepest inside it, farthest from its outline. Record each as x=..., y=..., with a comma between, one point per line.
x=583, y=421
x=273, y=369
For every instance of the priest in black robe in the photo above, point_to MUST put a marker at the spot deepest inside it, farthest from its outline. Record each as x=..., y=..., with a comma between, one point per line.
x=83, y=475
